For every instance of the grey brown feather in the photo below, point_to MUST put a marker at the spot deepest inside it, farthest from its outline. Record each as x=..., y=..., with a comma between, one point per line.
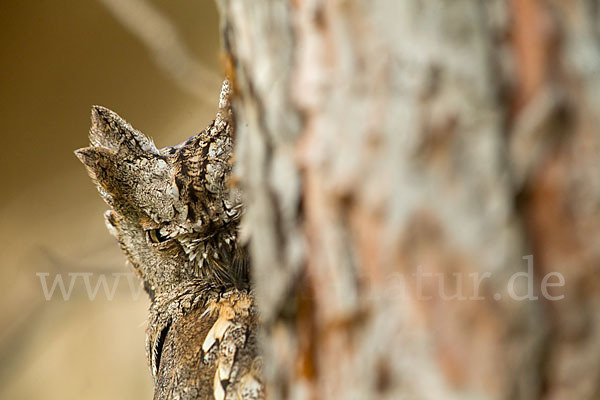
x=176, y=218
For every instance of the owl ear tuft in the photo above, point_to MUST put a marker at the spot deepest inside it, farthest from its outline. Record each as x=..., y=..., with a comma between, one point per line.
x=102, y=166
x=112, y=132
x=97, y=160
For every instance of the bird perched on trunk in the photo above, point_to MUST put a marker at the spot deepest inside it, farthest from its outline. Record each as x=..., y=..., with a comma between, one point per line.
x=176, y=218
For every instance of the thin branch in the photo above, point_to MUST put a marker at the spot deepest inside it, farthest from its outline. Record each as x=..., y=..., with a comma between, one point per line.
x=160, y=37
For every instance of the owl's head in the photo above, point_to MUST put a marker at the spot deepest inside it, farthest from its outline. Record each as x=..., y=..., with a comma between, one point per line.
x=172, y=210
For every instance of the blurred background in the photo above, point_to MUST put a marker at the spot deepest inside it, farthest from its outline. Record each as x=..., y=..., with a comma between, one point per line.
x=156, y=63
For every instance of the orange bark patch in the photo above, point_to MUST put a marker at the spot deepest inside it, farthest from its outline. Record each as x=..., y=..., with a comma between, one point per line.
x=532, y=38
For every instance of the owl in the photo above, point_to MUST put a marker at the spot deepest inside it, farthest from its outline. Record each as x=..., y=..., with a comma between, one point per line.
x=176, y=217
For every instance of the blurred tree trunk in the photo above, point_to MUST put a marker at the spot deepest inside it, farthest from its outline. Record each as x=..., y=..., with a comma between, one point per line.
x=397, y=153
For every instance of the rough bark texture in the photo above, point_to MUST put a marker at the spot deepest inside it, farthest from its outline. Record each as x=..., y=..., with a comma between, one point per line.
x=382, y=140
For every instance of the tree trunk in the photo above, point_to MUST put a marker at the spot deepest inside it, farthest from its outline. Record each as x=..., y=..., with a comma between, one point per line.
x=423, y=193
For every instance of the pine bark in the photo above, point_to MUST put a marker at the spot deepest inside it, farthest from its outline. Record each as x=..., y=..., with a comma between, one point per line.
x=382, y=141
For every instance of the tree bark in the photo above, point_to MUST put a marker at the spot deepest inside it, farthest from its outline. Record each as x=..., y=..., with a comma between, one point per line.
x=403, y=162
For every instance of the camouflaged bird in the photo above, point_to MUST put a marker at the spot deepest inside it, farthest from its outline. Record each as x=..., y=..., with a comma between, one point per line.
x=176, y=218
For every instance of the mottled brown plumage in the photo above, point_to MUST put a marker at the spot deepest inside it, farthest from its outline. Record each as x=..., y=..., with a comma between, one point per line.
x=176, y=218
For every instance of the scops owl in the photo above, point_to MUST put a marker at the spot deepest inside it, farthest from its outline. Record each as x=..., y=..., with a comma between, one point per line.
x=176, y=217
